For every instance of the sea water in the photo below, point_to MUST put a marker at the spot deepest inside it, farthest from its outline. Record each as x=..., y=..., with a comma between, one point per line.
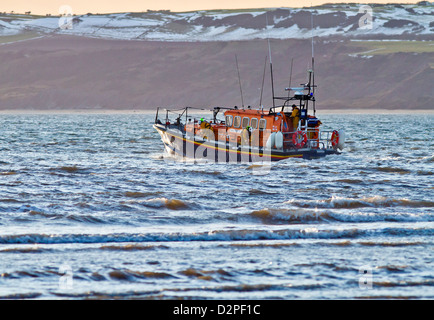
x=90, y=207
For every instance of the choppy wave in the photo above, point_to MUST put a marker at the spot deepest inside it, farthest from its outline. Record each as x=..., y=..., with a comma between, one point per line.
x=21, y=296
x=132, y=247
x=86, y=218
x=260, y=192
x=133, y=275
x=138, y=194
x=93, y=192
x=68, y=169
x=130, y=274
x=353, y=203
x=32, y=249
x=389, y=284
x=289, y=215
x=172, y=204
x=214, y=235
x=30, y=274
x=8, y=173
x=326, y=215
x=393, y=170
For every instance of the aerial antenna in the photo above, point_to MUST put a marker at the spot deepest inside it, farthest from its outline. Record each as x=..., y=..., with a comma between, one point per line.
x=311, y=21
x=290, y=78
x=262, y=87
x=313, y=62
x=239, y=81
x=271, y=62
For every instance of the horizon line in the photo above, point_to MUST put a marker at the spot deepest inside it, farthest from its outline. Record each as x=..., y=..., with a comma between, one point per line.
x=12, y=12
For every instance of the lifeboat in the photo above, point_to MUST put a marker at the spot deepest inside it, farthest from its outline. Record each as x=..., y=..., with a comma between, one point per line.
x=250, y=134
x=285, y=130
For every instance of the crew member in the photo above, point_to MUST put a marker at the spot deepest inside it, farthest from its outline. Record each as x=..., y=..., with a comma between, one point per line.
x=246, y=135
x=205, y=124
x=295, y=115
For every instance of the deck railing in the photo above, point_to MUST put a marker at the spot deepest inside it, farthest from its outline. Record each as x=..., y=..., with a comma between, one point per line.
x=316, y=138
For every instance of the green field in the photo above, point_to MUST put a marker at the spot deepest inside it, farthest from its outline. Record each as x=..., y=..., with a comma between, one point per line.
x=19, y=37
x=387, y=47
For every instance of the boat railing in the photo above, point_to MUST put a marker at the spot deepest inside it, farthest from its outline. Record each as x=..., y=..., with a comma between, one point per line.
x=315, y=138
x=181, y=117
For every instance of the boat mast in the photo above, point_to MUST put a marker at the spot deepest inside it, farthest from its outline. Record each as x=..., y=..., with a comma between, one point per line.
x=313, y=64
x=262, y=87
x=290, y=78
x=271, y=62
x=300, y=93
x=239, y=81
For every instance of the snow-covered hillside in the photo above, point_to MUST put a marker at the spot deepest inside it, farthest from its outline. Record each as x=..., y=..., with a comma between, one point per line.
x=393, y=20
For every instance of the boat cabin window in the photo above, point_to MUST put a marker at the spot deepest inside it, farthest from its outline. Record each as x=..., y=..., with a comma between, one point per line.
x=254, y=123
x=262, y=124
x=229, y=120
x=237, y=121
x=245, y=122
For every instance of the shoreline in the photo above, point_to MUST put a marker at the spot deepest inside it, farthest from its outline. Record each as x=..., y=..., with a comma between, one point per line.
x=75, y=111
x=153, y=111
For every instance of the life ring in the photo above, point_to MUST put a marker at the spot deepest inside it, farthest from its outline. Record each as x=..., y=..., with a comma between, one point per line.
x=335, y=139
x=299, y=139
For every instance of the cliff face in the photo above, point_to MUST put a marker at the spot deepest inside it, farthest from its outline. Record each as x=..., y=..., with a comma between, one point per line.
x=42, y=68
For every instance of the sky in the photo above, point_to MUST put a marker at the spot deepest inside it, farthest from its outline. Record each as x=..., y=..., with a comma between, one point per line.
x=43, y=7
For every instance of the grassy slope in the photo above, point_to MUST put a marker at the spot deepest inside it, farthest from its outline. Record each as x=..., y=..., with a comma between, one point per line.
x=388, y=47
x=19, y=37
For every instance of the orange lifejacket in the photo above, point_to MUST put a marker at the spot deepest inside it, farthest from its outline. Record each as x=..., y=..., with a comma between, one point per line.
x=295, y=115
x=205, y=125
